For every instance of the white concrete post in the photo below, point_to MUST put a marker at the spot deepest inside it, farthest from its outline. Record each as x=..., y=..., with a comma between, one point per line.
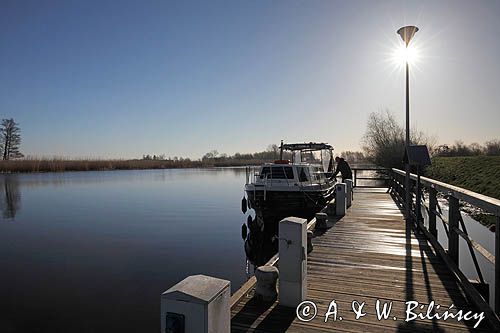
x=348, y=183
x=293, y=261
x=340, y=199
x=197, y=304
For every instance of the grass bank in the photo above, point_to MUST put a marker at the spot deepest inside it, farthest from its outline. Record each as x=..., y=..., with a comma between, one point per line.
x=61, y=165
x=480, y=174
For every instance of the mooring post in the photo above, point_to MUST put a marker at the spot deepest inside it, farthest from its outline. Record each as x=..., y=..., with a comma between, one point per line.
x=265, y=288
x=348, y=183
x=453, y=217
x=197, y=304
x=321, y=221
x=432, y=211
x=340, y=199
x=293, y=261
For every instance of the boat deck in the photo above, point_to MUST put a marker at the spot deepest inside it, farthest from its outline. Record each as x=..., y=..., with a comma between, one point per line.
x=366, y=256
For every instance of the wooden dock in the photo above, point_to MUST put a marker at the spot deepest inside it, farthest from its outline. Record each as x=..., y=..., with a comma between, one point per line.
x=366, y=256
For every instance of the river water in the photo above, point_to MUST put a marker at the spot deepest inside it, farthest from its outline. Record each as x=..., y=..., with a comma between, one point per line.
x=93, y=251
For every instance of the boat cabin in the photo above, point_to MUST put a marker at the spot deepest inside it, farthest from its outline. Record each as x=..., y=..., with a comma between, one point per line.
x=290, y=173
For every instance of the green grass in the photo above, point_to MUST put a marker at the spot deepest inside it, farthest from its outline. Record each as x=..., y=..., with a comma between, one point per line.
x=480, y=174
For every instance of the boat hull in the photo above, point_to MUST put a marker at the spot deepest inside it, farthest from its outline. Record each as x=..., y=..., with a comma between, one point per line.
x=273, y=206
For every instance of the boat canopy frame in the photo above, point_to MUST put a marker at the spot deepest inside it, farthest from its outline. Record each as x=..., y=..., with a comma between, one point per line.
x=308, y=147
x=311, y=146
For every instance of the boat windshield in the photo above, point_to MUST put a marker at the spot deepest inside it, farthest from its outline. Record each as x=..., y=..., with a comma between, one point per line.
x=303, y=173
x=318, y=157
x=277, y=172
x=310, y=174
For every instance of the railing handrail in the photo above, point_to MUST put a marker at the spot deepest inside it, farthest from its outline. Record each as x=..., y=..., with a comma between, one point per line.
x=489, y=204
x=454, y=221
x=371, y=168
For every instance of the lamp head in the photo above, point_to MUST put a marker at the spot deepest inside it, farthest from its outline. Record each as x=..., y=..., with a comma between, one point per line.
x=407, y=33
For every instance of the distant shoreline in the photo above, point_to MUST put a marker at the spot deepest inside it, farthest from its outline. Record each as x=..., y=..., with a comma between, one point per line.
x=61, y=165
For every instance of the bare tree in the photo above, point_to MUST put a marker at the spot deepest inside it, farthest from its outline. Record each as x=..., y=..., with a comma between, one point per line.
x=384, y=140
x=492, y=147
x=10, y=139
x=353, y=156
x=210, y=155
x=476, y=149
x=274, y=149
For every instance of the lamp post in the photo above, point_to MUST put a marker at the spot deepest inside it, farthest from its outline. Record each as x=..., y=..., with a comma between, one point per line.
x=407, y=34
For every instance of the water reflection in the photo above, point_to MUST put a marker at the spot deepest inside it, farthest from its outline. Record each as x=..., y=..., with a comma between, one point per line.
x=260, y=233
x=261, y=242
x=10, y=196
x=92, y=251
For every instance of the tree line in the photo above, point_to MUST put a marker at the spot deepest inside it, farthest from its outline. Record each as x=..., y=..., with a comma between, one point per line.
x=384, y=142
x=489, y=148
x=213, y=157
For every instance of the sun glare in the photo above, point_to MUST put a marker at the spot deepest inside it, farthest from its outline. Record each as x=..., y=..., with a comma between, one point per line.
x=404, y=54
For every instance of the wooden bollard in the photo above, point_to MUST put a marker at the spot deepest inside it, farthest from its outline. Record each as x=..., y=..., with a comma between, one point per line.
x=321, y=221
x=266, y=283
x=310, y=236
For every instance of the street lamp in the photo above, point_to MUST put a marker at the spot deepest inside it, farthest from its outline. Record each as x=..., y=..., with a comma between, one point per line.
x=407, y=34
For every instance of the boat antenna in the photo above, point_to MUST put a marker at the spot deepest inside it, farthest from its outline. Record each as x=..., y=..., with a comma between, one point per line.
x=281, y=150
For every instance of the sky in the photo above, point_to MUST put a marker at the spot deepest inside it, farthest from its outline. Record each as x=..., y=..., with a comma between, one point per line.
x=119, y=79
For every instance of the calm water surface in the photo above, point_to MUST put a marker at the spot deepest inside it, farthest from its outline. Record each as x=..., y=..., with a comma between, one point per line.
x=92, y=251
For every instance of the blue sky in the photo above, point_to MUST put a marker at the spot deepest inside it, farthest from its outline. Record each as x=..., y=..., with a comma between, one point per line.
x=126, y=78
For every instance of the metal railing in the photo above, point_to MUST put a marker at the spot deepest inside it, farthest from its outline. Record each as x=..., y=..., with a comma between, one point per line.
x=425, y=194
x=376, y=174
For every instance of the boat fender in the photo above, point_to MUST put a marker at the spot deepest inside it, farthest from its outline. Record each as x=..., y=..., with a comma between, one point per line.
x=249, y=222
x=244, y=231
x=244, y=205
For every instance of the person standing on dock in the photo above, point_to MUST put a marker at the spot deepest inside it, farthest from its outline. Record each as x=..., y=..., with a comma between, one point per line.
x=344, y=169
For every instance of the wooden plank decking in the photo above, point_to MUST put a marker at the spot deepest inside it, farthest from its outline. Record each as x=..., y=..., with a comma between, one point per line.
x=366, y=256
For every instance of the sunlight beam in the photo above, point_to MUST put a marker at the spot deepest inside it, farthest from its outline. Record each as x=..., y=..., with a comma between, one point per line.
x=403, y=54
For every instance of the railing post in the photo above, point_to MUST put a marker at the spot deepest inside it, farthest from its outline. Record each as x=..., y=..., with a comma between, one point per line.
x=355, y=177
x=418, y=209
x=432, y=211
x=497, y=265
x=453, y=212
x=401, y=189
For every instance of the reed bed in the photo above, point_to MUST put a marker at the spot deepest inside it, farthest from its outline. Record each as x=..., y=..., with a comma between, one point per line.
x=62, y=165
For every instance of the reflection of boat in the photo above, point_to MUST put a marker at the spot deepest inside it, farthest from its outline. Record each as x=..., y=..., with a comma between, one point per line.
x=260, y=244
x=299, y=187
